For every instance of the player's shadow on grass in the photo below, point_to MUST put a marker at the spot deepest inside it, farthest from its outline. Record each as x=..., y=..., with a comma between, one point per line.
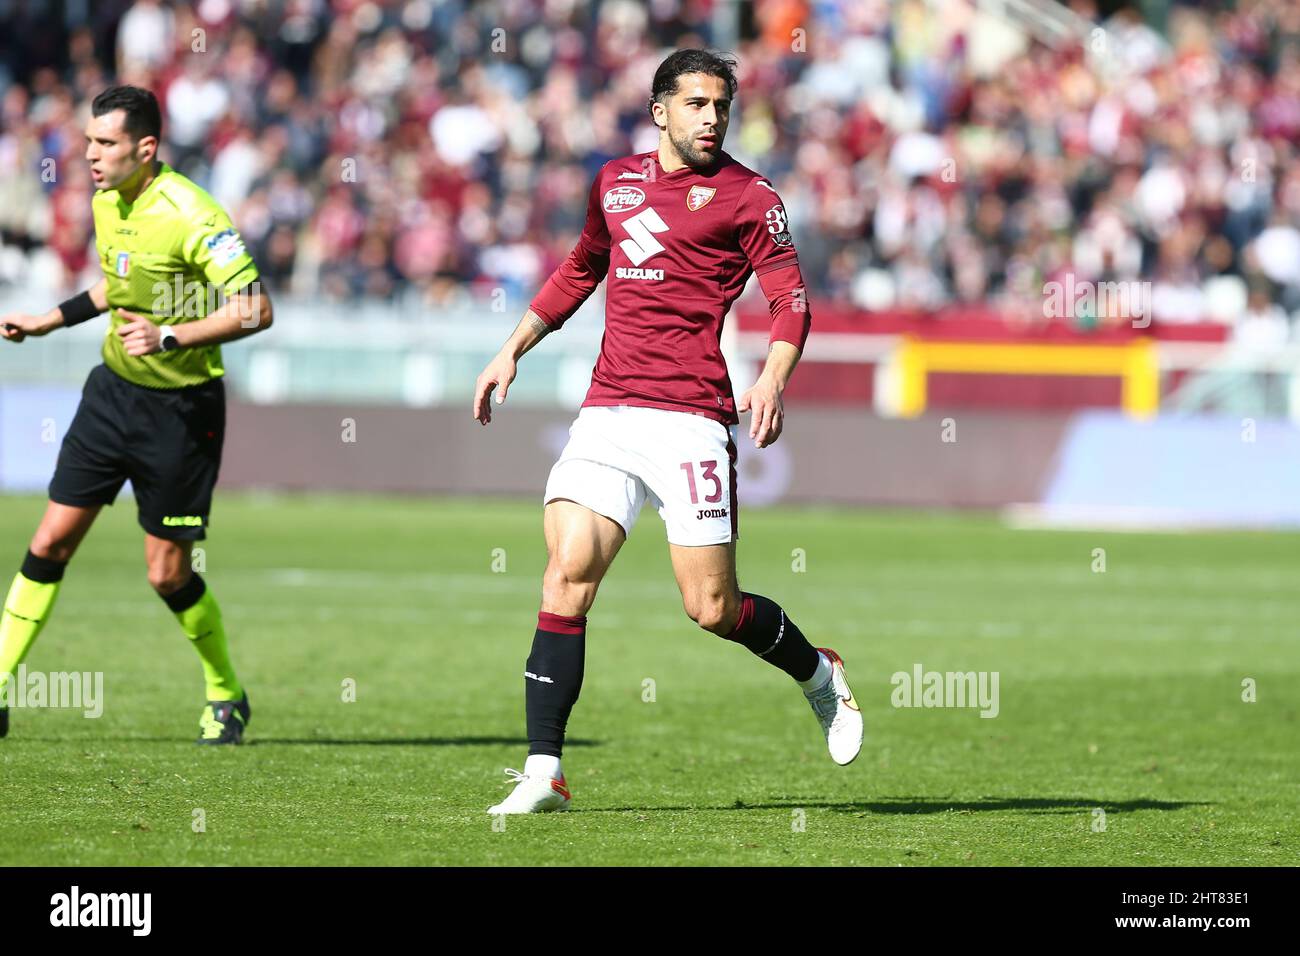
x=408, y=741
x=914, y=805
x=1033, y=805
x=336, y=742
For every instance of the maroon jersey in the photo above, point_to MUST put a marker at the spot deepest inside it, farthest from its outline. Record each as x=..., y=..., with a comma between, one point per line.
x=677, y=249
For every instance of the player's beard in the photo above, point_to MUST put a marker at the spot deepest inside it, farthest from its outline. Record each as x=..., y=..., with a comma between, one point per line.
x=685, y=146
x=127, y=176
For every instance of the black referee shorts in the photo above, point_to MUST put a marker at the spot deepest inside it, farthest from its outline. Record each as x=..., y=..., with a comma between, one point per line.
x=166, y=441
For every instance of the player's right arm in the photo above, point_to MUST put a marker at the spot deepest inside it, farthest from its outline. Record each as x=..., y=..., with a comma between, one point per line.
x=501, y=370
x=17, y=326
x=568, y=287
x=762, y=229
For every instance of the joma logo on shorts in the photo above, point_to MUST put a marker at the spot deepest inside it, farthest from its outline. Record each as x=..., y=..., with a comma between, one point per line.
x=183, y=521
x=711, y=513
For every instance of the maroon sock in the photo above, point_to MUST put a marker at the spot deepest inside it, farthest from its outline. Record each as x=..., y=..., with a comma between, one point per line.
x=763, y=628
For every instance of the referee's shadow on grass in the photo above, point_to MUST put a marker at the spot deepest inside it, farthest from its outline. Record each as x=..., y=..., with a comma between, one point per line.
x=407, y=741
x=336, y=742
x=915, y=805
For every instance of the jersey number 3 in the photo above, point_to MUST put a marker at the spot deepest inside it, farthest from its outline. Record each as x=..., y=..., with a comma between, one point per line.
x=642, y=228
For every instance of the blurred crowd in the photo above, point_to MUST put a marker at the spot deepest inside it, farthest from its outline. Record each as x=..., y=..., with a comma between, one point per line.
x=928, y=154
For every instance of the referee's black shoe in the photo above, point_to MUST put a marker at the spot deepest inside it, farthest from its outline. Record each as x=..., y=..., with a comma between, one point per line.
x=4, y=721
x=223, y=721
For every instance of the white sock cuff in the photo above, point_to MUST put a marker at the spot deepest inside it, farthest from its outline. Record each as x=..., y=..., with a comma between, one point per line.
x=542, y=765
x=820, y=676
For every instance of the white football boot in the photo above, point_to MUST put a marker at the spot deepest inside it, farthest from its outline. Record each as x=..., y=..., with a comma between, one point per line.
x=838, y=712
x=533, y=794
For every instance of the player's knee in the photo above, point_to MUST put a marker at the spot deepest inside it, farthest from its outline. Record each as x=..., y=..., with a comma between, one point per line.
x=716, y=613
x=51, y=547
x=568, y=588
x=165, y=577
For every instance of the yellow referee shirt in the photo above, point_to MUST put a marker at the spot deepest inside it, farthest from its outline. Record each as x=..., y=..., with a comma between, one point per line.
x=168, y=256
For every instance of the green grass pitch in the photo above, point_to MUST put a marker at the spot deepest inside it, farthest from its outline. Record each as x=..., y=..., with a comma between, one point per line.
x=1120, y=692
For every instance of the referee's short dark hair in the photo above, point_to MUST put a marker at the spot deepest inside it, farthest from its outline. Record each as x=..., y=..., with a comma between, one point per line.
x=143, y=117
x=721, y=65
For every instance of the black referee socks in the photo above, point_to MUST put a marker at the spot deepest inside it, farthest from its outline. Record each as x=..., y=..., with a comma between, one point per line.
x=43, y=570
x=185, y=596
x=763, y=628
x=553, y=679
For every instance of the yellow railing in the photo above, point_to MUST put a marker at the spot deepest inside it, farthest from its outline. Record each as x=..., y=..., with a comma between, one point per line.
x=1135, y=363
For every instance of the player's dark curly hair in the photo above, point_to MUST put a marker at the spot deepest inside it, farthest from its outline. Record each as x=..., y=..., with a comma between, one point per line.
x=143, y=117
x=721, y=65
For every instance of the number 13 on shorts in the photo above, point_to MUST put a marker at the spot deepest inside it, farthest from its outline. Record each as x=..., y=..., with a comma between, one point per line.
x=709, y=473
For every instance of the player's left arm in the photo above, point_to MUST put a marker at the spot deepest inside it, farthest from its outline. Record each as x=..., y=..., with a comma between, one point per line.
x=216, y=250
x=764, y=233
x=243, y=314
x=764, y=395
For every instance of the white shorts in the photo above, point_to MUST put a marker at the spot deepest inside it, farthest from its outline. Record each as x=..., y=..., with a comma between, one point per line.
x=620, y=456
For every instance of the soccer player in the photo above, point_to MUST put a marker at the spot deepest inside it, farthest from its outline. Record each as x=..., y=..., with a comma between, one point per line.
x=155, y=411
x=678, y=231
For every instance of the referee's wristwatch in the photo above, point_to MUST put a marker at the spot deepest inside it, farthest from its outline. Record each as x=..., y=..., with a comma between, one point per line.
x=167, y=339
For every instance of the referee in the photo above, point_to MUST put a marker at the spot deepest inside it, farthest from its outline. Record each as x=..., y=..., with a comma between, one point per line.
x=177, y=283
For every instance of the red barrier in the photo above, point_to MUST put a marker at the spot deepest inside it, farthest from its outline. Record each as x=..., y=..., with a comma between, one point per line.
x=853, y=383
x=977, y=324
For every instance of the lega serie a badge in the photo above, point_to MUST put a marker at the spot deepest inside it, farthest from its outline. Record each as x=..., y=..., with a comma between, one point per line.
x=699, y=197
x=123, y=263
x=225, y=247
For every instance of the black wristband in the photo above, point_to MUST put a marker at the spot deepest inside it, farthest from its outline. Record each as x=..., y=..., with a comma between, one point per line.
x=78, y=309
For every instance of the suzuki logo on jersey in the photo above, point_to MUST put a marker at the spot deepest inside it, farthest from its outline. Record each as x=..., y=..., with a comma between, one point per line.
x=699, y=197
x=623, y=272
x=641, y=229
x=623, y=198
x=123, y=263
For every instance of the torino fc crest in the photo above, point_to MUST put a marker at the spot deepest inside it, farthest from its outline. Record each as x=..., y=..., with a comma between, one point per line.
x=699, y=197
